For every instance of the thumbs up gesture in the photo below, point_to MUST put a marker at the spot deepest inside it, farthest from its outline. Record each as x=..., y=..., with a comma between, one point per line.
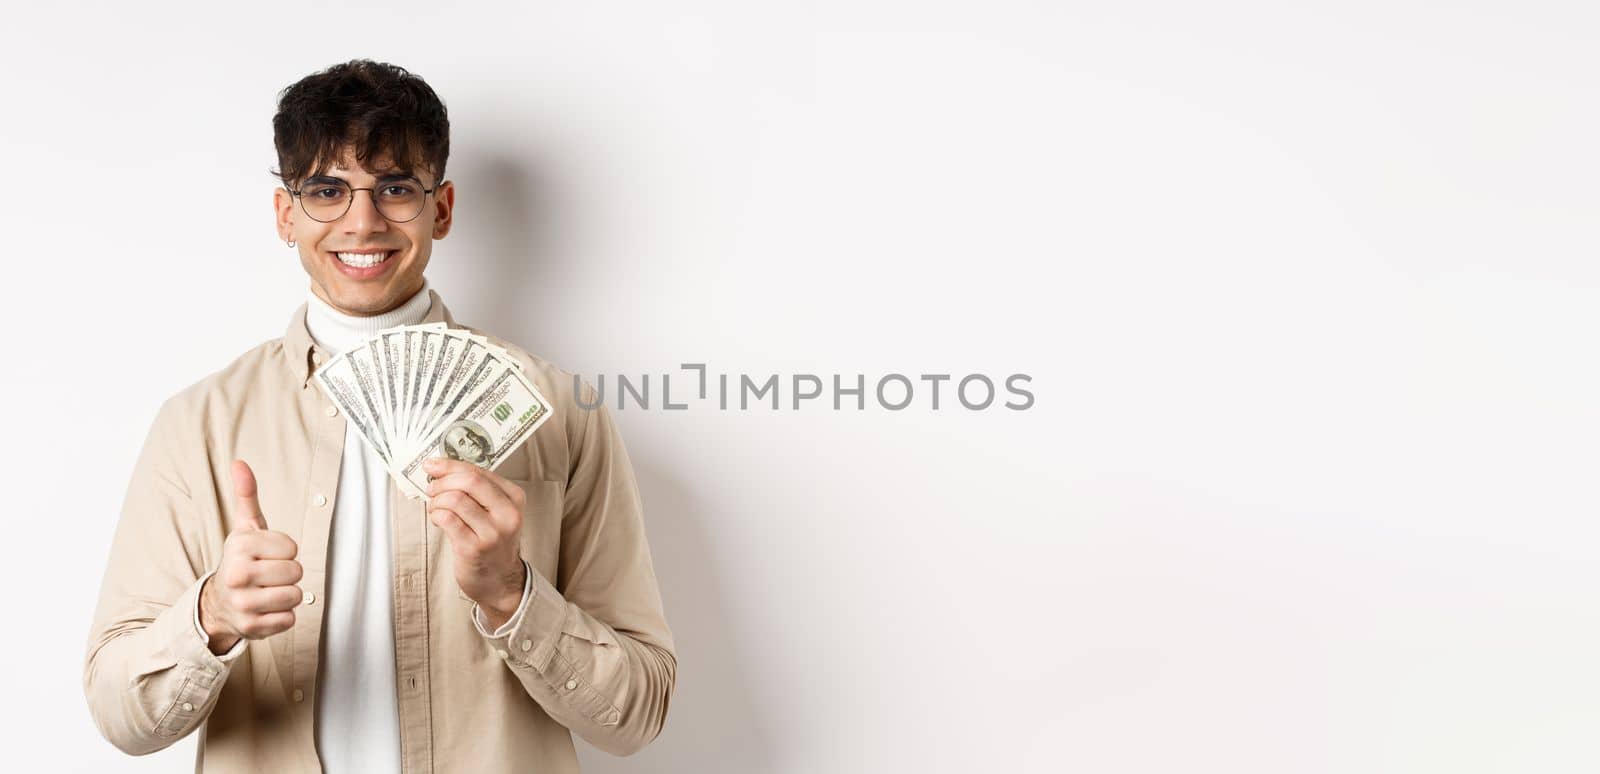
x=252, y=594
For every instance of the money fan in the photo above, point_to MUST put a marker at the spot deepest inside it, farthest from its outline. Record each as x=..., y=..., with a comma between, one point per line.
x=420, y=391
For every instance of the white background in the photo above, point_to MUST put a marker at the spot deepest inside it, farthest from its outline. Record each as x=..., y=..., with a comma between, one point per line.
x=1307, y=295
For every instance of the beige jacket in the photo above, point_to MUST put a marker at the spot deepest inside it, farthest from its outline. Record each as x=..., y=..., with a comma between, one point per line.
x=592, y=653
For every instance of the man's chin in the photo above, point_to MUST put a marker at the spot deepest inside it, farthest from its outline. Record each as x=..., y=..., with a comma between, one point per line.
x=362, y=302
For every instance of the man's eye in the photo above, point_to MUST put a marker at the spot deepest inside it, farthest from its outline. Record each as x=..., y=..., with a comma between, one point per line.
x=398, y=190
x=326, y=193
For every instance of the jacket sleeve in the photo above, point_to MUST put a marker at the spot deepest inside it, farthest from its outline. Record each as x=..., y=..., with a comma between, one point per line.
x=148, y=675
x=596, y=652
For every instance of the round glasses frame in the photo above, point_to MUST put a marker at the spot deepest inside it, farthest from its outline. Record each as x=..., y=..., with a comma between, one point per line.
x=352, y=200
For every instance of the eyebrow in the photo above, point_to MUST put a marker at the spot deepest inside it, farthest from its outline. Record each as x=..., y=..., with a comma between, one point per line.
x=397, y=175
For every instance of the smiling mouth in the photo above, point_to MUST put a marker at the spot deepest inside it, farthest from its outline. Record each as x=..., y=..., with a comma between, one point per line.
x=364, y=260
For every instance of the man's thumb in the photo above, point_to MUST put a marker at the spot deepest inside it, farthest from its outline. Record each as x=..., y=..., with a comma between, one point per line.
x=247, y=514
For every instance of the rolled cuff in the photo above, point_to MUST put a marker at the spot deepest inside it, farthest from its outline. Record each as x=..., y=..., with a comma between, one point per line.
x=528, y=638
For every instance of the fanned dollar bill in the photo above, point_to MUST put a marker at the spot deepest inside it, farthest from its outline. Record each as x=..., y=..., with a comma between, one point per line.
x=420, y=391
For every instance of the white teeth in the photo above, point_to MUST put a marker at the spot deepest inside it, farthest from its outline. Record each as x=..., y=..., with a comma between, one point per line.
x=362, y=260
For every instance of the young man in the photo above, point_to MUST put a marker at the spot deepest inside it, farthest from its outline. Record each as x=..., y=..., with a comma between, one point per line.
x=271, y=585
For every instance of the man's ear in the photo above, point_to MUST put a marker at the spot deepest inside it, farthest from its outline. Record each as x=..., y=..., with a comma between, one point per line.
x=282, y=208
x=444, y=208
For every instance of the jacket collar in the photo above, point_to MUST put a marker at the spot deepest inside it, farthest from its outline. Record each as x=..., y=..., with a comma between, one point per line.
x=305, y=357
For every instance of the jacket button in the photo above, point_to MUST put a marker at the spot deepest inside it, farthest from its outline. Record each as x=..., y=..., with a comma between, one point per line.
x=299, y=695
x=572, y=684
x=308, y=598
x=187, y=707
x=527, y=644
x=321, y=500
x=331, y=411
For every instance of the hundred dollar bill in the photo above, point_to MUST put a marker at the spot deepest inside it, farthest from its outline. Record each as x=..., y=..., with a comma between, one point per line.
x=434, y=378
x=490, y=424
x=341, y=381
x=364, y=363
x=425, y=344
x=467, y=372
x=409, y=343
x=390, y=382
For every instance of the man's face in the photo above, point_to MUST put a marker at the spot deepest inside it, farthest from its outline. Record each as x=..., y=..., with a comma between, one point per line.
x=377, y=289
x=463, y=443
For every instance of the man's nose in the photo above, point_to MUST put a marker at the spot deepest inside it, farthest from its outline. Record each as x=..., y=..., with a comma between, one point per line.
x=363, y=214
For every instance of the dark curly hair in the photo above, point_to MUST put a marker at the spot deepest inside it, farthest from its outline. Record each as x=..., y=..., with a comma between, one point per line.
x=380, y=109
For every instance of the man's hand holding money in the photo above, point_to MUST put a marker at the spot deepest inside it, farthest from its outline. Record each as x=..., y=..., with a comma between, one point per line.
x=481, y=513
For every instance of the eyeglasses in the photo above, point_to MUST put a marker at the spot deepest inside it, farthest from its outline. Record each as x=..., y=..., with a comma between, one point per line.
x=327, y=199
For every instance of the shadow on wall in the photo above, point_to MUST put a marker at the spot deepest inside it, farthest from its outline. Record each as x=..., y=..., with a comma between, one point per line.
x=509, y=217
x=712, y=724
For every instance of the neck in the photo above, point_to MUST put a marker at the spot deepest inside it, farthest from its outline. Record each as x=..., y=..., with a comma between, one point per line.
x=335, y=331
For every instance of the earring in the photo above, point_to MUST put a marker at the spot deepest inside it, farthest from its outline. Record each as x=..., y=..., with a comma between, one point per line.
x=290, y=243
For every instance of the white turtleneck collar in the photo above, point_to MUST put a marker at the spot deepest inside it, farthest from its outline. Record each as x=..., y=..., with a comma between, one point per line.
x=334, y=331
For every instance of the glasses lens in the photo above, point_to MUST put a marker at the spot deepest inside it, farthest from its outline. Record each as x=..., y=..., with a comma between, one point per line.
x=325, y=201
x=399, y=200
